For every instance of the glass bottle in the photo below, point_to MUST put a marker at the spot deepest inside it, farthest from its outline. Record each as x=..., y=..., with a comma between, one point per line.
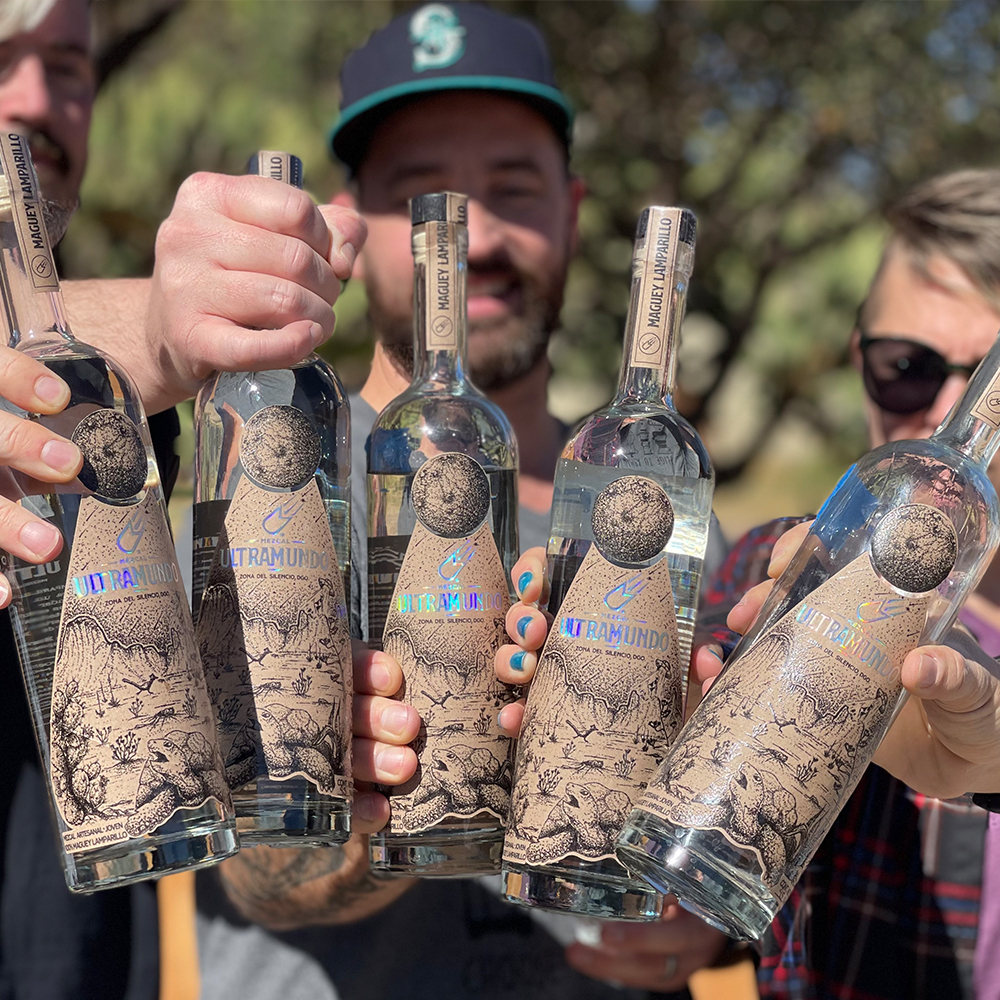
x=271, y=570
x=630, y=519
x=770, y=757
x=442, y=539
x=104, y=636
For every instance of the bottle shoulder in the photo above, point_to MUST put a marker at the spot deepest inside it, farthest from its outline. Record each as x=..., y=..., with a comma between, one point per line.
x=640, y=437
x=424, y=421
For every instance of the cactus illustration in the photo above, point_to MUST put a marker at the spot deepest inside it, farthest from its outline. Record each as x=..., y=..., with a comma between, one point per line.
x=79, y=784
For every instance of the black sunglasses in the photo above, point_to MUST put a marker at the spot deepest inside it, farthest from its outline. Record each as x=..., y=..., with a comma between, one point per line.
x=904, y=376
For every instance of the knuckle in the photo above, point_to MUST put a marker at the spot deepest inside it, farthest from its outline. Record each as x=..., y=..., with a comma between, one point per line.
x=285, y=298
x=15, y=438
x=299, y=259
x=298, y=211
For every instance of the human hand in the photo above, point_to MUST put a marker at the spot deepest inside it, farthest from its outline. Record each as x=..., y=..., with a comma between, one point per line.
x=382, y=729
x=946, y=739
x=528, y=628
x=247, y=270
x=34, y=451
x=658, y=956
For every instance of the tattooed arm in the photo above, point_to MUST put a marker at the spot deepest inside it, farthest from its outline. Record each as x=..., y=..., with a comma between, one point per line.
x=283, y=889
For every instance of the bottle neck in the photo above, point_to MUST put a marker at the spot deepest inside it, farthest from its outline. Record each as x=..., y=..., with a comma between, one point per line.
x=972, y=427
x=29, y=289
x=661, y=270
x=440, y=256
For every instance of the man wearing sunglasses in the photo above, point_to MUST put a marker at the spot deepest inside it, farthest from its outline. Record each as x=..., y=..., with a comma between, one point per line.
x=893, y=903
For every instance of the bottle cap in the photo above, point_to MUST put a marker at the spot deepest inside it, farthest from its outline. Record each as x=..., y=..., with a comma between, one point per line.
x=446, y=206
x=273, y=163
x=687, y=223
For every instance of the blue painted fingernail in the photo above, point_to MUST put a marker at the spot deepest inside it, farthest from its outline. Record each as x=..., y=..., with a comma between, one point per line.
x=522, y=625
x=717, y=653
x=524, y=580
x=517, y=660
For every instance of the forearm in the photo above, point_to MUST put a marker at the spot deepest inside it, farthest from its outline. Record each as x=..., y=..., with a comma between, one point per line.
x=111, y=316
x=284, y=889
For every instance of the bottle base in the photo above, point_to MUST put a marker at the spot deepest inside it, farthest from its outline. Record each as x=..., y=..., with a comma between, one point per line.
x=285, y=819
x=581, y=893
x=710, y=877
x=455, y=854
x=151, y=857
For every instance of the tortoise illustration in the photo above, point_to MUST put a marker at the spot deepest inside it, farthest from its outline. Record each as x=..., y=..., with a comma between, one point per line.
x=294, y=743
x=280, y=448
x=464, y=780
x=451, y=495
x=587, y=819
x=114, y=459
x=632, y=521
x=181, y=770
x=914, y=548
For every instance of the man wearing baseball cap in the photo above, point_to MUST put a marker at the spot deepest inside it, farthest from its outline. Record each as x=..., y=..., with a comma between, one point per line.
x=454, y=97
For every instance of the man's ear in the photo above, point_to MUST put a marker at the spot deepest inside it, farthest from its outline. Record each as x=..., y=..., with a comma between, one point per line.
x=577, y=189
x=345, y=199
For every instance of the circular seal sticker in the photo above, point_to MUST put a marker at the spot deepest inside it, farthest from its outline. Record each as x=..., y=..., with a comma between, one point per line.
x=451, y=495
x=632, y=521
x=114, y=460
x=914, y=548
x=280, y=448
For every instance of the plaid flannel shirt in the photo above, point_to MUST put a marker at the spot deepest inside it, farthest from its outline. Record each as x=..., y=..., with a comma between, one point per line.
x=889, y=906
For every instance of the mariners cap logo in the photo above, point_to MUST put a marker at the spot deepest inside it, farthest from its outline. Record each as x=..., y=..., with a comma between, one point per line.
x=438, y=38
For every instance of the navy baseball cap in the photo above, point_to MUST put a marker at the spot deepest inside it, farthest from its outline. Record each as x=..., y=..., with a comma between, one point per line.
x=440, y=47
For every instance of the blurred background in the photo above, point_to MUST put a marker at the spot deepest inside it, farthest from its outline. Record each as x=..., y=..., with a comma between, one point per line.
x=787, y=126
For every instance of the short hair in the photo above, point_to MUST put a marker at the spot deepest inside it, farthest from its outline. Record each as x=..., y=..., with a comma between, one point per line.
x=956, y=216
x=22, y=15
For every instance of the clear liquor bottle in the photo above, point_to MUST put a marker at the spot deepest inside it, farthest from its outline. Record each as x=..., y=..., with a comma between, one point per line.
x=442, y=539
x=769, y=758
x=115, y=686
x=271, y=570
x=630, y=520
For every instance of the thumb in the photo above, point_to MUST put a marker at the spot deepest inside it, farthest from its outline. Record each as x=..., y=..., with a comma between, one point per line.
x=348, y=232
x=943, y=675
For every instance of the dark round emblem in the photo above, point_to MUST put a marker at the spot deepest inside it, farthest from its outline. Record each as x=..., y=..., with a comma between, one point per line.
x=632, y=521
x=451, y=495
x=114, y=459
x=280, y=448
x=914, y=548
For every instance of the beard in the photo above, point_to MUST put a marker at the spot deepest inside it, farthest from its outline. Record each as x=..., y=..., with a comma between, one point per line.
x=500, y=350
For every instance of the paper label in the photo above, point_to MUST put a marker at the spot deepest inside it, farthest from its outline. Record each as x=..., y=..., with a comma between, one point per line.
x=444, y=625
x=272, y=625
x=275, y=164
x=29, y=219
x=987, y=407
x=654, y=315
x=785, y=733
x=132, y=737
x=604, y=705
x=442, y=283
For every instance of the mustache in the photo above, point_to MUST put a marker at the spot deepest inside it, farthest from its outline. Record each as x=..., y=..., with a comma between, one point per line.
x=41, y=140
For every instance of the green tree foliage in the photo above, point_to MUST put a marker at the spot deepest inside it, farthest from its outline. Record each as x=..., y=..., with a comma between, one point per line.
x=786, y=126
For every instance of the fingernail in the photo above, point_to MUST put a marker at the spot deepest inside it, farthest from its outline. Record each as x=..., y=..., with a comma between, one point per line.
x=522, y=625
x=366, y=807
x=588, y=932
x=350, y=253
x=928, y=671
x=317, y=334
x=61, y=456
x=51, y=390
x=395, y=717
x=517, y=660
x=389, y=760
x=381, y=676
x=500, y=717
x=39, y=537
x=523, y=581
x=717, y=653
x=4, y=591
